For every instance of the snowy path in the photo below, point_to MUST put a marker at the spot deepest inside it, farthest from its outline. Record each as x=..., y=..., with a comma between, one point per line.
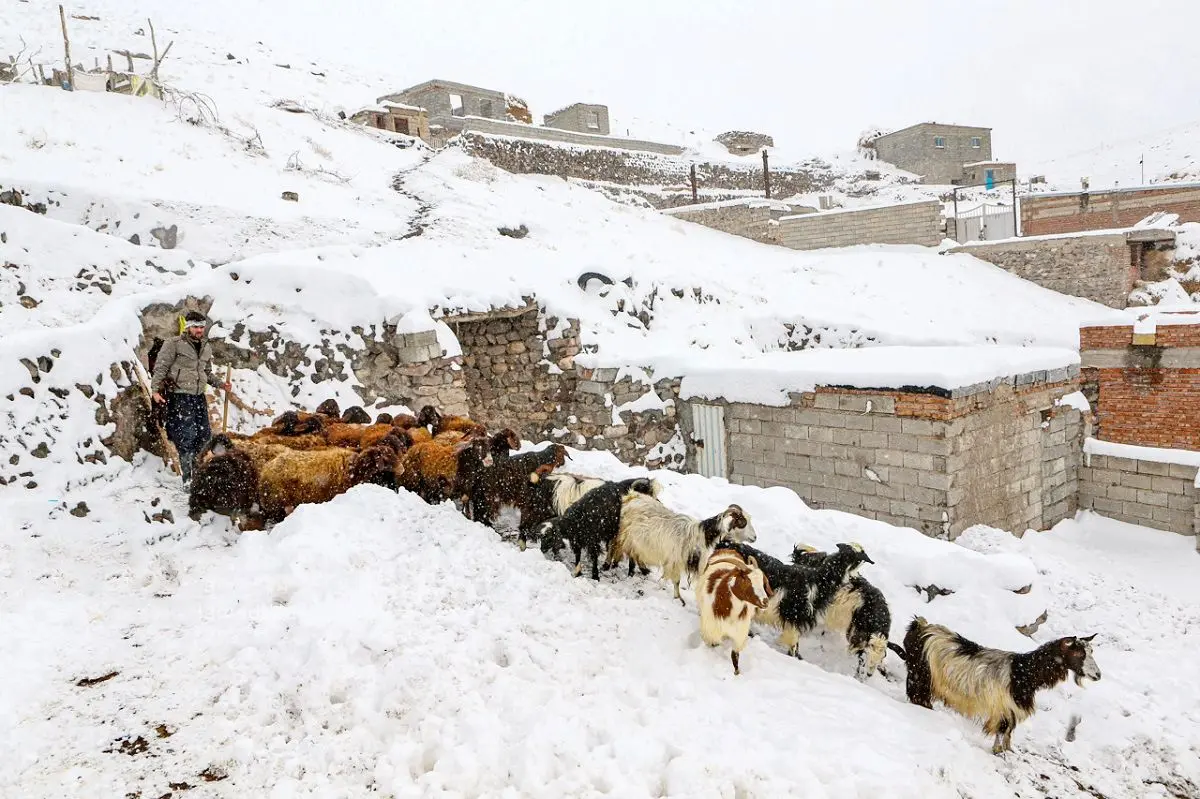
x=377, y=646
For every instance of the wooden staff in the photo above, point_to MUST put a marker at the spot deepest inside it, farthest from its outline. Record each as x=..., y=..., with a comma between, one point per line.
x=62, y=15
x=225, y=415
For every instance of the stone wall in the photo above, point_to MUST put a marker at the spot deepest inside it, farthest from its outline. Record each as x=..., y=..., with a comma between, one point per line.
x=907, y=223
x=1145, y=492
x=936, y=463
x=494, y=127
x=1099, y=210
x=627, y=168
x=595, y=418
x=1093, y=266
x=747, y=218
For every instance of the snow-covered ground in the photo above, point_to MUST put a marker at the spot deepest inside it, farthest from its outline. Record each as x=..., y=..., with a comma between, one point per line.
x=377, y=646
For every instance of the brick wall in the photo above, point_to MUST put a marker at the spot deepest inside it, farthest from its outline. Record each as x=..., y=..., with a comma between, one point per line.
x=1147, y=395
x=1099, y=210
x=1004, y=455
x=909, y=223
x=1095, y=267
x=1159, y=495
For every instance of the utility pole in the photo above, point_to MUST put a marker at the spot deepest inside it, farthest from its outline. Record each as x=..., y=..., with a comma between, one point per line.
x=766, y=174
x=693, y=175
x=1142, y=164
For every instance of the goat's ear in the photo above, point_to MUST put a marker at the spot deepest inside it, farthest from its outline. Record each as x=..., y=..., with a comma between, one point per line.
x=1088, y=638
x=751, y=562
x=804, y=548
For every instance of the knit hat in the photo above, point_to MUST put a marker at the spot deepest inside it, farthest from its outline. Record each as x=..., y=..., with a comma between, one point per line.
x=194, y=318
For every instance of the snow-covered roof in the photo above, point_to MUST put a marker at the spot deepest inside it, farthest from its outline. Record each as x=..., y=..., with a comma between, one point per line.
x=873, y=207
x=749, y=202
x=400, y=106
x=768, y=379
x=991, y=163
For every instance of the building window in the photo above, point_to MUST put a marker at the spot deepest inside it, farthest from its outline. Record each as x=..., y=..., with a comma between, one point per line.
x=456, y=105
x=485, y=109
x=976, y=142
x=593, y=120
x=939, y=142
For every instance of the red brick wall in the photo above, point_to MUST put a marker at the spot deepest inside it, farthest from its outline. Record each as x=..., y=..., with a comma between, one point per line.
x=1149, y=407
x=1106, y=209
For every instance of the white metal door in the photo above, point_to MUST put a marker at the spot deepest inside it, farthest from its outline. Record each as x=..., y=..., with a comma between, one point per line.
x=708, y=438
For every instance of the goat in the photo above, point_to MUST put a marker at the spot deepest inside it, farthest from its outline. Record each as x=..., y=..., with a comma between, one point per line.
x=356, y=414
x=429, y=417
x=508, y=482
x=991, y=686
x=294, y=478
x=652, y=534
x=858, y=611
x=545, y=499
x=329, y=408
x=432, y=468
x=802, y=594
x=594, y=521
x=730, y=591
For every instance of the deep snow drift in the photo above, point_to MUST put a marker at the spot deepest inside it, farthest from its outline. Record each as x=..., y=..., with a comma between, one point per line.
x=378, y=646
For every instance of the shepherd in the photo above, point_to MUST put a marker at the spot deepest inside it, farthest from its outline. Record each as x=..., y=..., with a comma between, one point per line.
x=182, y=370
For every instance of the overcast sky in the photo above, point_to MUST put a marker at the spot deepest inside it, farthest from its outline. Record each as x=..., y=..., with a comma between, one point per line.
x=1051, y=77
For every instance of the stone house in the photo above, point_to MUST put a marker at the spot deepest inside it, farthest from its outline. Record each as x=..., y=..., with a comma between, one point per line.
x=581, y=118
x=396, y=117
x=447, y=103
x=935, y=151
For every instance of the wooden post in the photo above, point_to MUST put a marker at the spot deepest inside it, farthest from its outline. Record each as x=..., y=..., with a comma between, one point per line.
x=110, y=62
x=225, y=415
x=62, y=15
x=693, y=173
x=766, y=174
x=129, y=60
x=153, y=44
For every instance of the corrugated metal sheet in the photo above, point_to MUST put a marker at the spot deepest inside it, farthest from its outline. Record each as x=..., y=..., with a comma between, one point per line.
x=709, y=435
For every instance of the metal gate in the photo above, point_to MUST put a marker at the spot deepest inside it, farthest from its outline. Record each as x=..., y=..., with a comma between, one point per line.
x=708, y=438
x=985, y=223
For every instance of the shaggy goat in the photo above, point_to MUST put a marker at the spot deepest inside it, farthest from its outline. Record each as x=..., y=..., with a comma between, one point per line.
x=294, y=478
x=594, y=521
x=802, y=594
x=991, y=686
x=858, y=611
x=652, y=534
x=549, y=497
x=510, y=481
x=730, y=591
x=225, y=482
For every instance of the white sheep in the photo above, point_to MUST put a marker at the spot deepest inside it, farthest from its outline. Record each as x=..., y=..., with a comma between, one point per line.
x=652, y=534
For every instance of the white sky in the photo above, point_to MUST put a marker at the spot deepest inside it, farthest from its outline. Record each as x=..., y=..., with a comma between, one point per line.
x=1051, y=77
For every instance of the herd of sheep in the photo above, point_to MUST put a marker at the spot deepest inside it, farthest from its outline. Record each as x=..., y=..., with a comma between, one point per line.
x=258, y=479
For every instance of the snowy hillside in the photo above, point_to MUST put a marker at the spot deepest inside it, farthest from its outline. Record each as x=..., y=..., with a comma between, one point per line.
x=377, y=646
x=1171, y=156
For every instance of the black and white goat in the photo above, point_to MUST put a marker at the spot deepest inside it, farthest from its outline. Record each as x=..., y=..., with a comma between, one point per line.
x=652, y=534
x=991, y=686
x=594, y=521
x=857, y=611
x=802, y=594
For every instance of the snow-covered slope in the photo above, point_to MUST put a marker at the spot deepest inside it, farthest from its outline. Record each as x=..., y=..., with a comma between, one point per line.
x=1171, y=156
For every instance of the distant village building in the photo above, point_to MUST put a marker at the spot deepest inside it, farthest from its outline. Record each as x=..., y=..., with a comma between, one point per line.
x=581, y=118
x=942, y=154
x=744, y=142
x=396, y=117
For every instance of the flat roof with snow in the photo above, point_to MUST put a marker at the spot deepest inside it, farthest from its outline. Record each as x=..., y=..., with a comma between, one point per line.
x=959, y=371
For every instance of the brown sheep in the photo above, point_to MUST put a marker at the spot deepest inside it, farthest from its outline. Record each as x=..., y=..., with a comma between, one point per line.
x=404, y=421
x=433, y=470
x=294, y=478
x=429, y=416
x=384, y=418
x=297, y=423
x=355, y=414
x=356, y=436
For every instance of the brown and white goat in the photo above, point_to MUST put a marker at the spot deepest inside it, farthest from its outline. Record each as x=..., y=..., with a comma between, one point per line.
x=991, y=686
x=729, y=592
x=652, y=534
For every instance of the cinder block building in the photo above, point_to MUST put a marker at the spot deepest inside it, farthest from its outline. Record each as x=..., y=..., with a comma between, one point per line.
x=581, y=118
x=934, y=151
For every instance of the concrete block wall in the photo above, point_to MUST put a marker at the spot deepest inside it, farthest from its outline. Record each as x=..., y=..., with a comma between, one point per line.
x=750, y=219
x=1159, y=495
x=1099, y=210
x=936, y=463
x=908, y=223
x=1095, y=266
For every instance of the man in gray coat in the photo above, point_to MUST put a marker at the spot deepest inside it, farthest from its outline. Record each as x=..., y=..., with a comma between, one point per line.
x=182, y=371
